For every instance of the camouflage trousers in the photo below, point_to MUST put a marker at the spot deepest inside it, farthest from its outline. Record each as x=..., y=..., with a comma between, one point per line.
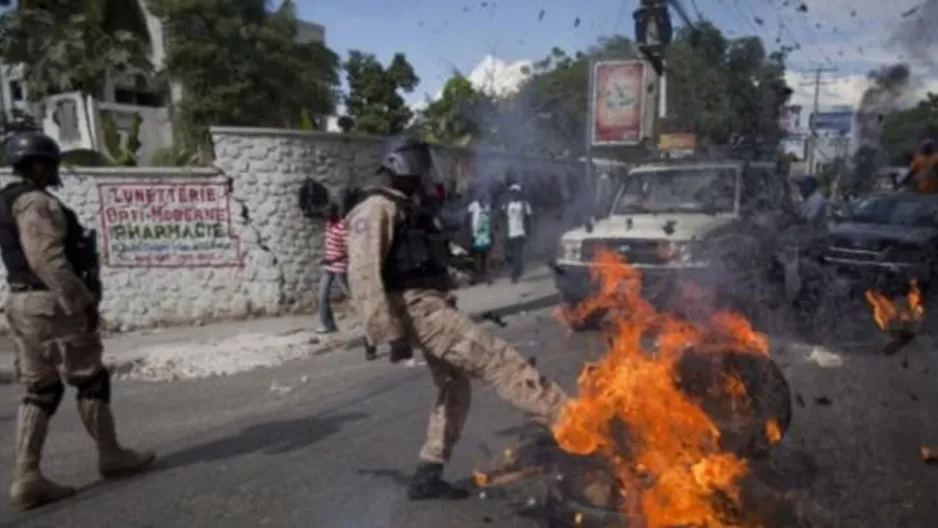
x=49, y=343
x=458, y=350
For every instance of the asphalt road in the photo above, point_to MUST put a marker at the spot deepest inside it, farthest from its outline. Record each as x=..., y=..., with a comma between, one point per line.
x=329, y=441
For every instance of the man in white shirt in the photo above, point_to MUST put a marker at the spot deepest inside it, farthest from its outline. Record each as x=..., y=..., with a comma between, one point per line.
x=814, y=206
x=480, y=224
x=517, y=214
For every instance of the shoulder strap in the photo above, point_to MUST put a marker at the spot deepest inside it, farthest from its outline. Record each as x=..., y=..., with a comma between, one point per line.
x=9, y=194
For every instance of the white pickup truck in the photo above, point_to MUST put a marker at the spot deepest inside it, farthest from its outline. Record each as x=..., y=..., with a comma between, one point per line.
x=677, y=220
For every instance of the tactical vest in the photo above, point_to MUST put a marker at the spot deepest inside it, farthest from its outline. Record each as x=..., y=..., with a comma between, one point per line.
x=19, y=274
x=418, y=255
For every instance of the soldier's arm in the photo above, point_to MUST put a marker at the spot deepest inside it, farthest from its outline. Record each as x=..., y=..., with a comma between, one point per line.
x=371, y=232
x=42, y=228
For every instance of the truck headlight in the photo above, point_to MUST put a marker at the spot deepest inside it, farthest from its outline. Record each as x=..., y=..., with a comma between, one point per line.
x=570, y=250
x=682, y=252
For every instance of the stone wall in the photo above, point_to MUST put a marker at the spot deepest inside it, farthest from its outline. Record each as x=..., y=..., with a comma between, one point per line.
x=183, y=246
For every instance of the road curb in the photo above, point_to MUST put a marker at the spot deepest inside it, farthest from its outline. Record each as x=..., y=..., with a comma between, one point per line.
x=533, y=302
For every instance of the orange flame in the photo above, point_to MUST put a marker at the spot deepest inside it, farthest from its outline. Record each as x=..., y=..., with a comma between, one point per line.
x=773, y=431
x=886, y=313
x=670, y=437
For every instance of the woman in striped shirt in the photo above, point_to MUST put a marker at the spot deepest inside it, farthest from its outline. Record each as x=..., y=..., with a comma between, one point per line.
x=334, y=268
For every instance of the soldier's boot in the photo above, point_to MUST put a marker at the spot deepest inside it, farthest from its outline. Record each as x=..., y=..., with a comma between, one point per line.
x=428, y=483
x=30, y=488
x=113, y=460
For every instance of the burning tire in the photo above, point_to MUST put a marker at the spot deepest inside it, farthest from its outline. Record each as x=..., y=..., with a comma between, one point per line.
x=752, y=421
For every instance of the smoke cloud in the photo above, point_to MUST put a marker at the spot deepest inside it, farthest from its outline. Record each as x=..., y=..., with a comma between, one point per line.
x=888, y=88
x=916, y=34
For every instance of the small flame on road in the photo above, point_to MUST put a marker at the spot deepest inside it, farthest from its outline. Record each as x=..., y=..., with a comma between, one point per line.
x=887, y=314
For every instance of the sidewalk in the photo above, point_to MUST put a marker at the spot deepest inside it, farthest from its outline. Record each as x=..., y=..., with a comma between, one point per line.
x=168, y=354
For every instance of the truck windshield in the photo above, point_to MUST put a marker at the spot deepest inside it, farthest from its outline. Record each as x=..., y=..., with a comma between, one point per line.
x=680, y=190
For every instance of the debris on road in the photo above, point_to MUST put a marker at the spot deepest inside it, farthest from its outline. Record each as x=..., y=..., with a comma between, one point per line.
x=929, y=455
x=823, y=400
x=900, y=320
x=222, y=357
x=825, y=358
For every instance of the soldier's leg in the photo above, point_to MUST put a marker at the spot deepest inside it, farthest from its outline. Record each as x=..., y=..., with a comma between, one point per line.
x=447, y=418
x=36, y=369
x=81, y=359
x=449, y=335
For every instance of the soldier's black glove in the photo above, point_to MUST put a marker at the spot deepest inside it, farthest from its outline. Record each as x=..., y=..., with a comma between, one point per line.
x=401, y=351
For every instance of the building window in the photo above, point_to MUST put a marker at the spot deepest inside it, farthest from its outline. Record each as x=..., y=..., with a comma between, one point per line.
x=136, y=97
x=16, y=91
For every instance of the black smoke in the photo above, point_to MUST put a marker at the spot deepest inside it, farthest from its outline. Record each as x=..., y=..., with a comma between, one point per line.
x=888, y=86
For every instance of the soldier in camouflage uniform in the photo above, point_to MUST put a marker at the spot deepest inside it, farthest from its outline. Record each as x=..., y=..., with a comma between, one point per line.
x=52, y=311
x=401, y=286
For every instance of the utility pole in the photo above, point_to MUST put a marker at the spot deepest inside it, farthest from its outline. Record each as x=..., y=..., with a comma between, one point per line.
x=812, y=119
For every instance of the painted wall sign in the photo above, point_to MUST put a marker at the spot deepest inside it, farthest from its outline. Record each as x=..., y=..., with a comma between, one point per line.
x=170, y=225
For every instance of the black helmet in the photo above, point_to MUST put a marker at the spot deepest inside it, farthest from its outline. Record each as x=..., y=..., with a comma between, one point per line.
x=25, y=145
x=407, y=157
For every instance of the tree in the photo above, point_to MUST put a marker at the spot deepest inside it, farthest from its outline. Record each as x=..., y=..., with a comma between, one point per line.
x=461, y=116
x=374, y=104
x=903, y=130
x=64, y=46
x=721, y=89
x=240, y=64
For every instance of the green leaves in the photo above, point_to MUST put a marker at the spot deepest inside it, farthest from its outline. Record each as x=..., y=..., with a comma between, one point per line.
x=460, y=117
x=122, y=152
x=374, y=104
x=903, y=130
x=65, y=46
x=242, y=65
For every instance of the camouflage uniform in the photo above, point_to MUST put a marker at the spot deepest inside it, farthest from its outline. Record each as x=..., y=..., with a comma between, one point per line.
x=52, y=315
x=421, y=313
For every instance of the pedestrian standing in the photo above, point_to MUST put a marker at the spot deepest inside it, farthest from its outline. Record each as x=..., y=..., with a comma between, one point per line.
x=518, y=216
x=334, y=267
x=480, y=225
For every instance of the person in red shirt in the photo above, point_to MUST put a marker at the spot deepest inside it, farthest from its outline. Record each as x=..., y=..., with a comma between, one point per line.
x=334, y=267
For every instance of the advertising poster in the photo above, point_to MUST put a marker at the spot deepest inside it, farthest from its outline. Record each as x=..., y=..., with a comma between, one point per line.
x=618, y=103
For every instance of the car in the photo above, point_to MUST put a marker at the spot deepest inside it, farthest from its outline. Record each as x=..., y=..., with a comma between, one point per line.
x=885, y=240
x=677, y=220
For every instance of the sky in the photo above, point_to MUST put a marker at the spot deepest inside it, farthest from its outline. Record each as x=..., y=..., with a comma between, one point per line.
x=438, y=37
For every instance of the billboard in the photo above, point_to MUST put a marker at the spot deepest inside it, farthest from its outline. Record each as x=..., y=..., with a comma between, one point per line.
x=840, y=121
x=617, y=103
x=677, y=142
x=790, y=119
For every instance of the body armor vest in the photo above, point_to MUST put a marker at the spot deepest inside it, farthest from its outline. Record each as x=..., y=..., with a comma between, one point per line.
x=19, y=274
x=419, y=252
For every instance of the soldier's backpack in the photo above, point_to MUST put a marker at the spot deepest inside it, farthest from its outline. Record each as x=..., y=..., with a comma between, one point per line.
x=313, y=198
